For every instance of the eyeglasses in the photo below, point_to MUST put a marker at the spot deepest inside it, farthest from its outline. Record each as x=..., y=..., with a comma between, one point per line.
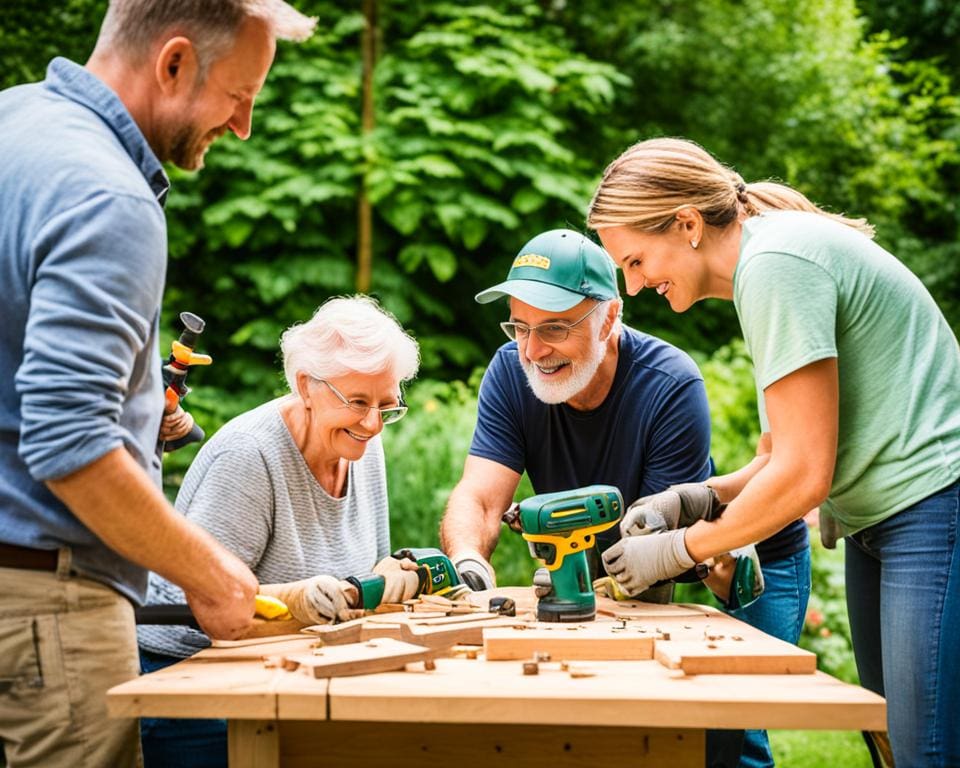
x=387, y=415
x=548, y=333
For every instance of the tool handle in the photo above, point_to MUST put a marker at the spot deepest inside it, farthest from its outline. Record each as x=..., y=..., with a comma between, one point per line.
x=195, y=435
x=179, y=615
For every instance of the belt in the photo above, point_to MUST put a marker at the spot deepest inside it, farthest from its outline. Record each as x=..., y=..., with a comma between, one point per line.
x=12, y=556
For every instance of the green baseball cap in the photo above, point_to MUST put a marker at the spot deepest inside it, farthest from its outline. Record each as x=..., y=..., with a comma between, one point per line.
x=555, y=271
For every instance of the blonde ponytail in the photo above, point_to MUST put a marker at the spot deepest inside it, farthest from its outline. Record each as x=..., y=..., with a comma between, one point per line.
x=654, y=180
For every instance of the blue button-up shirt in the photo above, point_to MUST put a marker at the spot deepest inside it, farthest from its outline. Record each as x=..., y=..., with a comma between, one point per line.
x=83, y=251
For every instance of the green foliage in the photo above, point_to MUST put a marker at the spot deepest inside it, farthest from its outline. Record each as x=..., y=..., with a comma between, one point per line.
x=819, y=749
x=826, y=630
x=732, y=395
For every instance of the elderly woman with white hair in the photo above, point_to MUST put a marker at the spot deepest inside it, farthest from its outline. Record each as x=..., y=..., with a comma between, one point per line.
x=297, y=489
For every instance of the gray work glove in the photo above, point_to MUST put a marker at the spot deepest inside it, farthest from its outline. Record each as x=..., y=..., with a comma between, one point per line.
x=475, y=571
x=401, y=579
x=319, y=600
x=830, y=531
x=639, y=562
x=679, y=506
x=542, y=584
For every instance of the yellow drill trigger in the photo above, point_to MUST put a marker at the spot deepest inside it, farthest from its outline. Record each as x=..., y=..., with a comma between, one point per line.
x=568, y=545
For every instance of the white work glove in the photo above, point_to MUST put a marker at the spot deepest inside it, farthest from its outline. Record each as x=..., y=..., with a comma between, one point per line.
x=401, y=579
x=319, y=600
x=542, y=585
x=474, y=570
x=679, y=506
x=639, y=562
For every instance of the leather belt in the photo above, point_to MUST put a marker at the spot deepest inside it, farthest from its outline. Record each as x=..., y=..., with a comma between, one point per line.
x=12, y=556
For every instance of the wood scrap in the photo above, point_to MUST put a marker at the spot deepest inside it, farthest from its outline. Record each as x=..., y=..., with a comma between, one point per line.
x=446, y=636
x=588, y=641
x=732, y=657
x=381, y=655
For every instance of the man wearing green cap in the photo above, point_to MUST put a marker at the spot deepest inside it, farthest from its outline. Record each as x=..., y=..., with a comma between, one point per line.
x=576, y=398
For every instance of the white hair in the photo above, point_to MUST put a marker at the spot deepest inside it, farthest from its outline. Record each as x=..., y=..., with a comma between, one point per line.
x=348, y=334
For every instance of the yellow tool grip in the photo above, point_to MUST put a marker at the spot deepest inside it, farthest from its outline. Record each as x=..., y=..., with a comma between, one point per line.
x=566, y=545
x=267, y=607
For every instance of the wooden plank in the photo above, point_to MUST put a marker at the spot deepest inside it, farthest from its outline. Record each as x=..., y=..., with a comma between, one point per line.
x=635, y=609
x=632, y=693
x=460, y=633
x=251, y=641
x=730, y=657
x=340, y=744
x=381, y=655
x=570, y=642
x=253, y=744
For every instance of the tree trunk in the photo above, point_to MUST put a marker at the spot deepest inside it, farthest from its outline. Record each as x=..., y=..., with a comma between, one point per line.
x=364, y=212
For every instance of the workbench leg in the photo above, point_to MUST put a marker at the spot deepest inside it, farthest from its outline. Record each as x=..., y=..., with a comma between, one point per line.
x=253, y=744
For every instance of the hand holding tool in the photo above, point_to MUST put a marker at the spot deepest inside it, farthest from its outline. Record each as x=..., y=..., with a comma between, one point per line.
x=182, y=359
x=562, y=527
x=475, y=571
x=680, y=506
x=317, y=600
x=402, y=579
x=639, y=562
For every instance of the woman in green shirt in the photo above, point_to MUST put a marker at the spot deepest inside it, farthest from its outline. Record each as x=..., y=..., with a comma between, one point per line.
x=858, y=376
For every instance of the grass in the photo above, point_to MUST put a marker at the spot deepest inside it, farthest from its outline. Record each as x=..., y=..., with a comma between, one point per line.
x=819, y=749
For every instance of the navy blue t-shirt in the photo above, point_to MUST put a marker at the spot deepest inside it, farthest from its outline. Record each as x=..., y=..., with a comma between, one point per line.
x=651, y=431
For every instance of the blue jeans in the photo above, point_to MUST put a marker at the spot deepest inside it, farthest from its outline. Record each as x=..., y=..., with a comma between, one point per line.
x=176, y=743
x=903, y=598
x=780, y=612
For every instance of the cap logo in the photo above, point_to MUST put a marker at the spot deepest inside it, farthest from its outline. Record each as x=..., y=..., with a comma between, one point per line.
x=531, y=260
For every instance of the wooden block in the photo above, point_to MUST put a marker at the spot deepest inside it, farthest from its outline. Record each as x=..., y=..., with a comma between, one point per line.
x=731, y=657
x=382, y=655
x=591, y=641
x=454, y=619
x=459, y=633
x=356, y=631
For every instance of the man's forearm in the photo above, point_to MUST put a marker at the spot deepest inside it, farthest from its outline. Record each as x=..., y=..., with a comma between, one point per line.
x=467, y=526
x=729, y=486
x=115, y=499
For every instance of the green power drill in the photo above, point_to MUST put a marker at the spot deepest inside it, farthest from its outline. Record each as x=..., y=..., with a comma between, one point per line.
x=435, y=571
x=561, y=527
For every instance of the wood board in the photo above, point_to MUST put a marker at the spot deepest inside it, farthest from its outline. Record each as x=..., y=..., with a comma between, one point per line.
x=587, y=641
x=442, y=636
x=381, y=655
x=732, y=657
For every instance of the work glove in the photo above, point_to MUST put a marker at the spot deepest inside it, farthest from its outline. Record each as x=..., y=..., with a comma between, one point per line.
x=736, y=578
x=679, y=506
x=830, y=531
x=639, y=562
x=401, y=580
x=542, y=584
x=474, y=570
x=318, y=600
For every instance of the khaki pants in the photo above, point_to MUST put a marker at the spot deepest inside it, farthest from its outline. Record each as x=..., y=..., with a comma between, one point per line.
x=64, y=641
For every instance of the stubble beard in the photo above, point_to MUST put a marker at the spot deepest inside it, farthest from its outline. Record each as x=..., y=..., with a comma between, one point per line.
x=188, y=146
x=581, y=374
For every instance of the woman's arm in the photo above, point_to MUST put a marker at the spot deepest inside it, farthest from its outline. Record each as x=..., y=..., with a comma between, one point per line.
x=803, y=412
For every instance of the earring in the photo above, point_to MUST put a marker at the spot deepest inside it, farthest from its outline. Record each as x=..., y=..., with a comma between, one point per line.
x=694, y=244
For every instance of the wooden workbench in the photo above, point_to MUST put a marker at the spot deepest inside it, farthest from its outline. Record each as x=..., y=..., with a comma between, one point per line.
x=471, y=712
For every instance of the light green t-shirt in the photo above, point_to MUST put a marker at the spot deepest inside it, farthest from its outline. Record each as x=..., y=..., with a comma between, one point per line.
x=807, y=288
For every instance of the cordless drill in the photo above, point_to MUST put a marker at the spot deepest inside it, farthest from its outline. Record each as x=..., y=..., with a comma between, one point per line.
x=561, y=527
x=435, y=571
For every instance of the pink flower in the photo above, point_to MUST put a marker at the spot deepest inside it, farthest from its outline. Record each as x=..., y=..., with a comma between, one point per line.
x=814, y=618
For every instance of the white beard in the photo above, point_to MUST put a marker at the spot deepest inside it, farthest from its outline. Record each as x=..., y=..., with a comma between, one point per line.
x=581, y=374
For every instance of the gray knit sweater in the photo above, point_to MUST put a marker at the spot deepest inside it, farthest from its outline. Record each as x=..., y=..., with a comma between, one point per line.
x=251, y=488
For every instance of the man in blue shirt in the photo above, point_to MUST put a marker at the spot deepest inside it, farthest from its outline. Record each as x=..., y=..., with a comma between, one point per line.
x=82, y=263
x=576, y=399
